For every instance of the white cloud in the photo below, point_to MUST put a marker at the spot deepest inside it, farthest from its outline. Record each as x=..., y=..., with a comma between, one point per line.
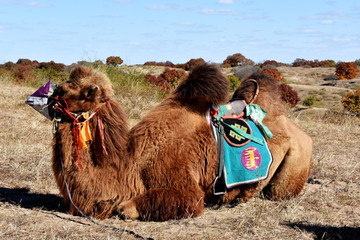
x=219, y=12
x=134, y=43
x=1, y=29
x=336, y=39
x=38, y=4
x=159, y=7
x=226, y=1
x=308, y=30
x=186, y=23
x=327, y=22
x=121, y=1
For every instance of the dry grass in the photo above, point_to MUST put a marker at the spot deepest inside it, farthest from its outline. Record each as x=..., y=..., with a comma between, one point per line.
x=30, y=207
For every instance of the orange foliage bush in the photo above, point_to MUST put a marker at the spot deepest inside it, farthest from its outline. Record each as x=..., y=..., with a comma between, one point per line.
x=114, y=61
x=193, y=62
x=300, y=62
x=271, y=63
x=236, y=60
x=351, y=102
x=274, y=73
x=347, y=70
x=161, y=64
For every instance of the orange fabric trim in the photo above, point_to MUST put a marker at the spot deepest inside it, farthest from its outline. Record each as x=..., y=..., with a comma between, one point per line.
x=84, y=133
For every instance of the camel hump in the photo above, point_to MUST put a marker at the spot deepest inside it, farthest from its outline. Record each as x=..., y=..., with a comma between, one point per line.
x=206, y=83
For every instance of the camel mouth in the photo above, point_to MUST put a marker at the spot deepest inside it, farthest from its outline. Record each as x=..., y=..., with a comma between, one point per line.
x=42, y=100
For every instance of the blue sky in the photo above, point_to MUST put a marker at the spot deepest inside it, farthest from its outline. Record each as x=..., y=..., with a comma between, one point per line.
x=138, y=31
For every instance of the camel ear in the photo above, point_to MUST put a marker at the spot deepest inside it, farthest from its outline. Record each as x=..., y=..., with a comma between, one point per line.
x=91, y=92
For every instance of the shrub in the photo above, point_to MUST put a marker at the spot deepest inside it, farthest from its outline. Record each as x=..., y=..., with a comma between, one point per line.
x=357, y=62
x=167, y=80
x=234, y=82
x=331, y=63
x=173, y=76
x=300, y=62
x=160, y=64
x=331, y=77
x=289, y=95
x=58, y=67
x=351, y=102
x=274, y=73
x=237, y=60
x=309, y=101
x=347, y=70
x=24, y=61
x=22, y=73
x=193, y=62
x=52, y=74
x=114, y=61
x=270, y=63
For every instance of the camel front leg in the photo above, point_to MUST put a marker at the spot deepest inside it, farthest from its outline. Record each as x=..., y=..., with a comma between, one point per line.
x=162, y=204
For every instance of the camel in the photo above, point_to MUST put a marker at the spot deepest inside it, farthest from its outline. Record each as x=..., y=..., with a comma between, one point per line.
x=164, y=167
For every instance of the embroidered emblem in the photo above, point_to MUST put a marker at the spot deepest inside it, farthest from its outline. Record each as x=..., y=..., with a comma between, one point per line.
x=234, y=138
x=251, y=158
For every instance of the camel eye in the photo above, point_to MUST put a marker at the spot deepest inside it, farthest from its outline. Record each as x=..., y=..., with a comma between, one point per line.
x=59, y=91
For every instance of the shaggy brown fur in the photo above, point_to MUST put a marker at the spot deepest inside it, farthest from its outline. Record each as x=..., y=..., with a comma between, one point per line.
x=165, y=166
x=95, y=187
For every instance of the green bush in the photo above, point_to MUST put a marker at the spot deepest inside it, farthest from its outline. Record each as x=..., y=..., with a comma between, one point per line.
x=234, y=82
x=309, y=101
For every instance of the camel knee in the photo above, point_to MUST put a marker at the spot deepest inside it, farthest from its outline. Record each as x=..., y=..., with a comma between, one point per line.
x=128, y=210
x=283, y=187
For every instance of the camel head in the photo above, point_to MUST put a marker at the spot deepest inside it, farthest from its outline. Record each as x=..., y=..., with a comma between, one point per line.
x=85, y=90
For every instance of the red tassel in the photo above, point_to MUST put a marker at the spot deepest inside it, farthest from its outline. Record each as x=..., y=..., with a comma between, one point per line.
x=101, y=133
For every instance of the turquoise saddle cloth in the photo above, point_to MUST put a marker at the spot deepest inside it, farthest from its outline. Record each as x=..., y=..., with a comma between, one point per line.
x=244, y=156
x=248, y=163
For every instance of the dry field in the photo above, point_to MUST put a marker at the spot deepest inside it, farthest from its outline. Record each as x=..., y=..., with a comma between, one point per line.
x=328, y=207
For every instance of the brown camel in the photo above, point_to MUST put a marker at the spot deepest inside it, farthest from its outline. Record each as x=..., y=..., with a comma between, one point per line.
x=164, y=167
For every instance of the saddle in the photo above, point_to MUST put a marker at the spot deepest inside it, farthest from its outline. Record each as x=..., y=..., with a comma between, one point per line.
x=243, y=154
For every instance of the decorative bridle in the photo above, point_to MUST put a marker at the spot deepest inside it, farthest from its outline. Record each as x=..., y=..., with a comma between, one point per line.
x=62, y=107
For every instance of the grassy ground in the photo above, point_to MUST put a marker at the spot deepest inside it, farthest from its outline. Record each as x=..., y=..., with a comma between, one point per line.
x=328, y=208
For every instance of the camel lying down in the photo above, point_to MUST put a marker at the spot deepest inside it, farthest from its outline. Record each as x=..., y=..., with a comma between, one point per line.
x=165, y=166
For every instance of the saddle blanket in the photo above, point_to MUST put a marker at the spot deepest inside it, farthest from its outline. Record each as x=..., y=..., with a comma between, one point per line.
x=246, y=155
x=248, y=162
